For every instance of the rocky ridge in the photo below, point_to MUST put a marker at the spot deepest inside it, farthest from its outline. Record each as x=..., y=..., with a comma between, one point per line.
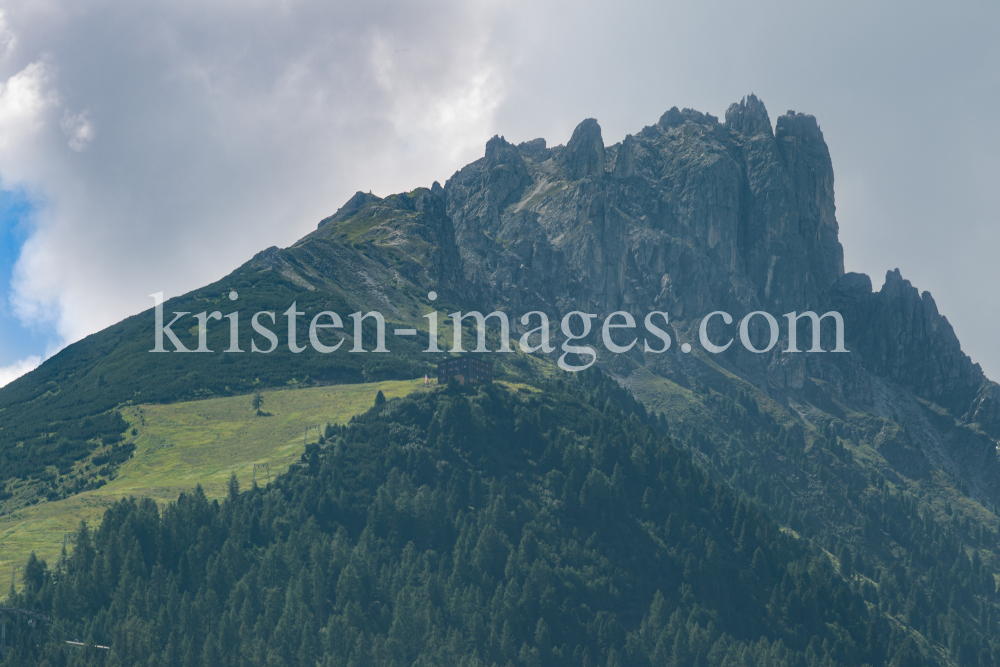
x=688, y=216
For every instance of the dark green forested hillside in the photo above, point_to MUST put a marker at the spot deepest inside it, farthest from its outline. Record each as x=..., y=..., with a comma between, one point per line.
x=927, y=563
x=472, y=527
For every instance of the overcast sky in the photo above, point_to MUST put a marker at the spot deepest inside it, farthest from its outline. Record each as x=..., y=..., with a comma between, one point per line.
x=156, y=147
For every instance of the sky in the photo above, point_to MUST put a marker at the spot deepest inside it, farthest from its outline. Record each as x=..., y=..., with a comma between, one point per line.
x=149, y=147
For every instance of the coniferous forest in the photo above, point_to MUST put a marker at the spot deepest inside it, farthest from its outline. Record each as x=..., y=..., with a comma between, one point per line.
x=487, y=526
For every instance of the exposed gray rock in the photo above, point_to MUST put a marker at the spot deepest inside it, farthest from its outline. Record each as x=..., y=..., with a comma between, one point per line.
x=691, y=215
x=687, y=215
x=535, y=149
x=584, y=154
x=748, y=117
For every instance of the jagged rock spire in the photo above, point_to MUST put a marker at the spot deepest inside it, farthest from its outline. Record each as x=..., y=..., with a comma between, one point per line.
x=748, y=117
x=584, y=155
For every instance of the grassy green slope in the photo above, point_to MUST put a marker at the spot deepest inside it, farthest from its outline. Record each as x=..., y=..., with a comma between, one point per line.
x=55, y=415
x=184, y=444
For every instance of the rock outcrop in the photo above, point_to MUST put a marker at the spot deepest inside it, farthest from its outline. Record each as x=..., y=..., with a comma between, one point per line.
x=688, y=216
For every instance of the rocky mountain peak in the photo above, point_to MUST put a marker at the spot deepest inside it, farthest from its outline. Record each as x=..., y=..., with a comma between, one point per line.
x=670, y=118
x=674, y=117
x=535, y=149
x=853, y=284
x=798, y=125
x=584, y=154
x=499, y=151
x=350, y=207
x=748, y=117
x=505, y=177
x=731, y=199
x=625, y=159
x=696, y=216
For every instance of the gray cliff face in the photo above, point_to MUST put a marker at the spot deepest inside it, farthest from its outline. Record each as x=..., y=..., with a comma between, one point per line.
x=689, y=216
x=905, y=339
x=907, y=365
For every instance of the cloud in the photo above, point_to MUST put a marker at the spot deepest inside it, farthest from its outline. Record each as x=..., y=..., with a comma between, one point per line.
x=26, y=101
x=8, y=40
x=224, y=128
x=78, y=129
x=10, y=373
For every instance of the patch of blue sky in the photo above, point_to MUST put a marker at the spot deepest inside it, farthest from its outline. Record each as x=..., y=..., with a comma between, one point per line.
x=16, y=340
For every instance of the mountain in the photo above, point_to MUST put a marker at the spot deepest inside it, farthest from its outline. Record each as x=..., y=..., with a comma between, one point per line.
x=688, y=216
x=883, y=459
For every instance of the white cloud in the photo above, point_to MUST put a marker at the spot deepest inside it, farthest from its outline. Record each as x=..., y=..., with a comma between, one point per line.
x=78, y=129
x=224, y=128
x=26, y=100
x=10, y=373
x=8, y=41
